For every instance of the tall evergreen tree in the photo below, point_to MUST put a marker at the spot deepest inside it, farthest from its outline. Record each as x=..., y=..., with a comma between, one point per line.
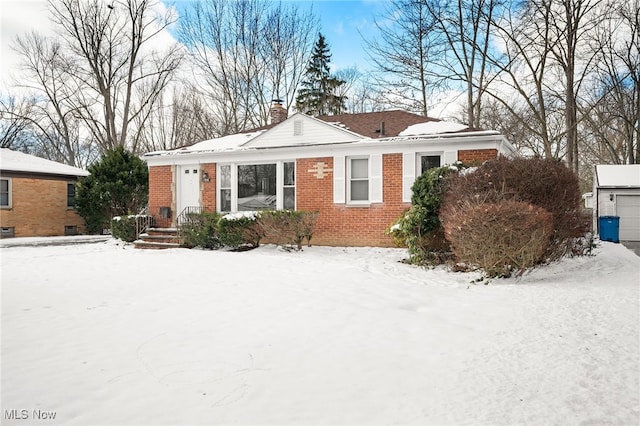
x=118, y=185
x=318, y=95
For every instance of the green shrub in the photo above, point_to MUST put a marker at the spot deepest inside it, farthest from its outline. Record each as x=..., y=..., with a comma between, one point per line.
x=288, y=228
x=201, y=230
x=499, y=238
x=126, y=227
x=117, y=186
x=240, y=231
x=419, y=228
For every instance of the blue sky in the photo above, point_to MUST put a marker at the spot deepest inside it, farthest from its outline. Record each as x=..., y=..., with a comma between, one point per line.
x=342, y=23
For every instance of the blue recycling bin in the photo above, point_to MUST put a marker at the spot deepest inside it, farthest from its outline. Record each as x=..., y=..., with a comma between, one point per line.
x=610, y=228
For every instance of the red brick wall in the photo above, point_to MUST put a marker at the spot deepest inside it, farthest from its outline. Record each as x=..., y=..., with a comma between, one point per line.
x=39, y=208
x=338, y=224
x=161, y=191
x=208, y=189
x=477, y=156
x=342, y=225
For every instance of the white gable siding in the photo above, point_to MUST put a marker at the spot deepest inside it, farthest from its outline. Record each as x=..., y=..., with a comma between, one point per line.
x=408, y=175
x=301, y=130
x=339, y=195
x=450, y=157
x=375, y=178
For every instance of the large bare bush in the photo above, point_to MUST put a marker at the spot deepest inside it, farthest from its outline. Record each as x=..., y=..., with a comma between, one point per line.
x=544, y=183
x=288, y=228
x=499, y=237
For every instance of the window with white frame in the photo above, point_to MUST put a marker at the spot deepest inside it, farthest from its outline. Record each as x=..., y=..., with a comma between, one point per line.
x=289, y=185
x=5, y=193
x=257, y=186
x=224, y=183
x=358, y=180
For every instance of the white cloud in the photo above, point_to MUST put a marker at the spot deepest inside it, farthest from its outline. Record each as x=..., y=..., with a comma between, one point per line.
x=18, y=18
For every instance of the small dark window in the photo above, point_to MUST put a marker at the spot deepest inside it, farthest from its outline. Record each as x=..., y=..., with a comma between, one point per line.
x=71, y=195
x=8, y=232
x=429, y=162
x=70, y=230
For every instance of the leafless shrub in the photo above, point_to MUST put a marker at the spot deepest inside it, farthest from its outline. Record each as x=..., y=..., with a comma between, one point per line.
x=499, y=237
x=288, y=228
x=544, y=183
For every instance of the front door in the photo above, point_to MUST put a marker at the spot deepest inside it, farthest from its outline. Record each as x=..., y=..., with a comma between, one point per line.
x=188, y=187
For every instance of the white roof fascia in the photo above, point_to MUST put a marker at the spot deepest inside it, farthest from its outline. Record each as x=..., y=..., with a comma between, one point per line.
x=486, y=140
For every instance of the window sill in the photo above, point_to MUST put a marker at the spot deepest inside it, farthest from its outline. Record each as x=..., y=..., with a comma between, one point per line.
x=358, y=205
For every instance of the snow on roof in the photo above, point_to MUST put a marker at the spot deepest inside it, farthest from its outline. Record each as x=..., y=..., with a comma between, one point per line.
x=618, y=175
x=224, y=143
x=16, y=161
x=432, y=127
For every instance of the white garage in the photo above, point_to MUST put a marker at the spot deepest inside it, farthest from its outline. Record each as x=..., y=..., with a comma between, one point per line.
x=617, y=192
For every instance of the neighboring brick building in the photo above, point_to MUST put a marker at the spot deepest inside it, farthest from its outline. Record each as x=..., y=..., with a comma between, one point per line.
x=356, y=170
x=36, y=196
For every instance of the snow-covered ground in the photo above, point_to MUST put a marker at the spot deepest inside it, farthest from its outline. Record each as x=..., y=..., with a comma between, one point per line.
x=104, y=334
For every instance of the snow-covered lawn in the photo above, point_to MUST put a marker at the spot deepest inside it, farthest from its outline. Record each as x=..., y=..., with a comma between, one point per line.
x=105, y=334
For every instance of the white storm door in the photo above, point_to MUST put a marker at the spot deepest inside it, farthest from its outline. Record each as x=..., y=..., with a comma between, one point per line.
x=188, y=187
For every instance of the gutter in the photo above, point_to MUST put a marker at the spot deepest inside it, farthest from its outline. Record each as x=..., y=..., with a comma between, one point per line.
x=387, y=144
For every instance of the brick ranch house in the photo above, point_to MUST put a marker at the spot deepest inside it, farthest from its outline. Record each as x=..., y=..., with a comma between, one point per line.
x=356, y=170
x=37, y=196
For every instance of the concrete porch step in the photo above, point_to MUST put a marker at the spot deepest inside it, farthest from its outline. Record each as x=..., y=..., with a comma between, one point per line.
x=158, y=238
x=162, y=231
x=141, y=244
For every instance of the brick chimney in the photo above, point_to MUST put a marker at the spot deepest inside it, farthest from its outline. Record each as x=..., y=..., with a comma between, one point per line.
x=278, y=112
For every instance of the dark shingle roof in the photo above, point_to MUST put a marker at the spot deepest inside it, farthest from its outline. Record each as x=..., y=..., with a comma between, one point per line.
x=369, y=123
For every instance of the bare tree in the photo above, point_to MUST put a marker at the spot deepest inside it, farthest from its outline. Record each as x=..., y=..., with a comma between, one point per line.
x=545, y=63
x=612, y=110
x=15, y=123
x=288, y=38
x=35, y=127
x=405, y=54
x=466, y=27
x=523, y=86
x=520, y=124
x=572, y=26
x=53, y=113
x=122, y=75
x=178, y=120
x=246, y=54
